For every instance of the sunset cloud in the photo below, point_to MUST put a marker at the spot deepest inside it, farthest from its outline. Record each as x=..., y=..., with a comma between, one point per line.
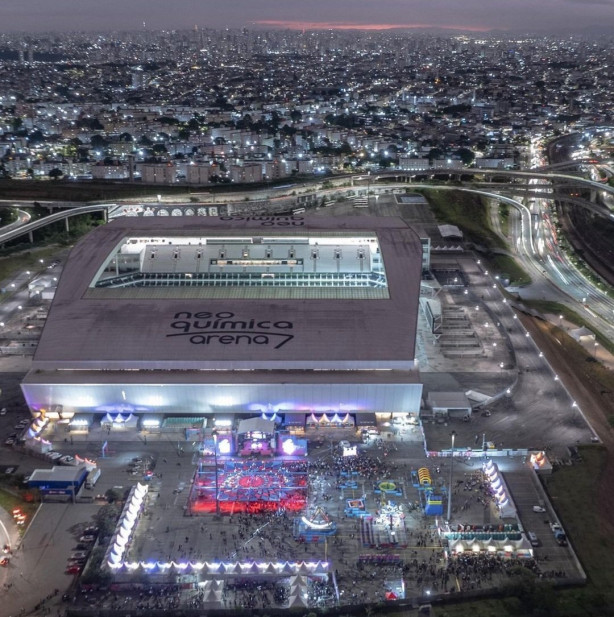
x=322, y=25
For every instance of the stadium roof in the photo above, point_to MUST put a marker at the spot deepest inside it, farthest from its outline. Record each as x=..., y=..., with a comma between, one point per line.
x=335, y=310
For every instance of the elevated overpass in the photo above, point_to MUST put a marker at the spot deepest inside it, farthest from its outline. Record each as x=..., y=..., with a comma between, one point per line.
x=62, y=215
x=70, y=209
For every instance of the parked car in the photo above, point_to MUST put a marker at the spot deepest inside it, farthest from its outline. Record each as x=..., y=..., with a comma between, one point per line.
x=559, y=534
x=538, y=509
x=76, y=560
x=78, y=555
x=54, y=456
x=3, y=411
x=93, y=530
x=9, y=441
x=87, y=538
x=533, y=538
x=73, y=570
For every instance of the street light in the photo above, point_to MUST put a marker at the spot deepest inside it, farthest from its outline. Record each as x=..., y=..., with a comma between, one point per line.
x=217, y=485
x=452, y=435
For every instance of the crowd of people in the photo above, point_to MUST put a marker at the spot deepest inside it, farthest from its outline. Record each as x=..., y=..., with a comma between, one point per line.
x=271, y=536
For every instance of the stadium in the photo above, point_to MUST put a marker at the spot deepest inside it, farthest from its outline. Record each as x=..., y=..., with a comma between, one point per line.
x=231, y=318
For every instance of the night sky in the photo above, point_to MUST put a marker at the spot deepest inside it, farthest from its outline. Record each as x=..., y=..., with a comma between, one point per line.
x=477, y=15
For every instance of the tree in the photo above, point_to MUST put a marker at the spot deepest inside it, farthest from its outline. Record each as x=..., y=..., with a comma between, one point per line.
x=113, y=495
x=96, y=572
x=246, y=122
x=36, y=137
x=55, y=173
x=434, y=153
x=106, y=519
x=466, y=156
x=98, y=142
x=168, y=121
x=93, y=124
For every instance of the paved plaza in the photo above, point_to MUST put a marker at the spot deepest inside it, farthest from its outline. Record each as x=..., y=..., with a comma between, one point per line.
x=362, y=564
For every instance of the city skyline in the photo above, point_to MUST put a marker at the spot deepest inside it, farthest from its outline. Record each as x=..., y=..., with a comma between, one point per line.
x=513, y=15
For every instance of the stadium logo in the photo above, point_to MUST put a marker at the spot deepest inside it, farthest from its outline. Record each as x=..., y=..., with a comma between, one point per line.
x=269, y=221
x=205, y=328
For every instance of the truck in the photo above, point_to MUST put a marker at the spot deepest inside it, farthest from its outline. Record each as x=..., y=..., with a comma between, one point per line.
x=92, y=478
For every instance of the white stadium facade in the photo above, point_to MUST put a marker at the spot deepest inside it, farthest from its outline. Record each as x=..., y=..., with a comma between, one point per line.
x=233, y=317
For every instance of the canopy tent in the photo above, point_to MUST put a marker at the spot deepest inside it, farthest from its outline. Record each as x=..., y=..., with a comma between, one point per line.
x=296, y=601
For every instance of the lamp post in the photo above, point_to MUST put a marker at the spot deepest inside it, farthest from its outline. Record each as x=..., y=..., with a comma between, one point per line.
x=452, y=435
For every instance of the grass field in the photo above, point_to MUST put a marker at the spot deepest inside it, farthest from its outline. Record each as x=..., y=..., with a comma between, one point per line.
x=467, y=211
x=26, y=260
x=554, y=308
x=506, y=266
x=470, y=213
x=9, y=501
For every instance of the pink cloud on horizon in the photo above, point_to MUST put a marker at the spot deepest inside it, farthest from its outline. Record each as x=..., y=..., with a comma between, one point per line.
x=316, y=25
